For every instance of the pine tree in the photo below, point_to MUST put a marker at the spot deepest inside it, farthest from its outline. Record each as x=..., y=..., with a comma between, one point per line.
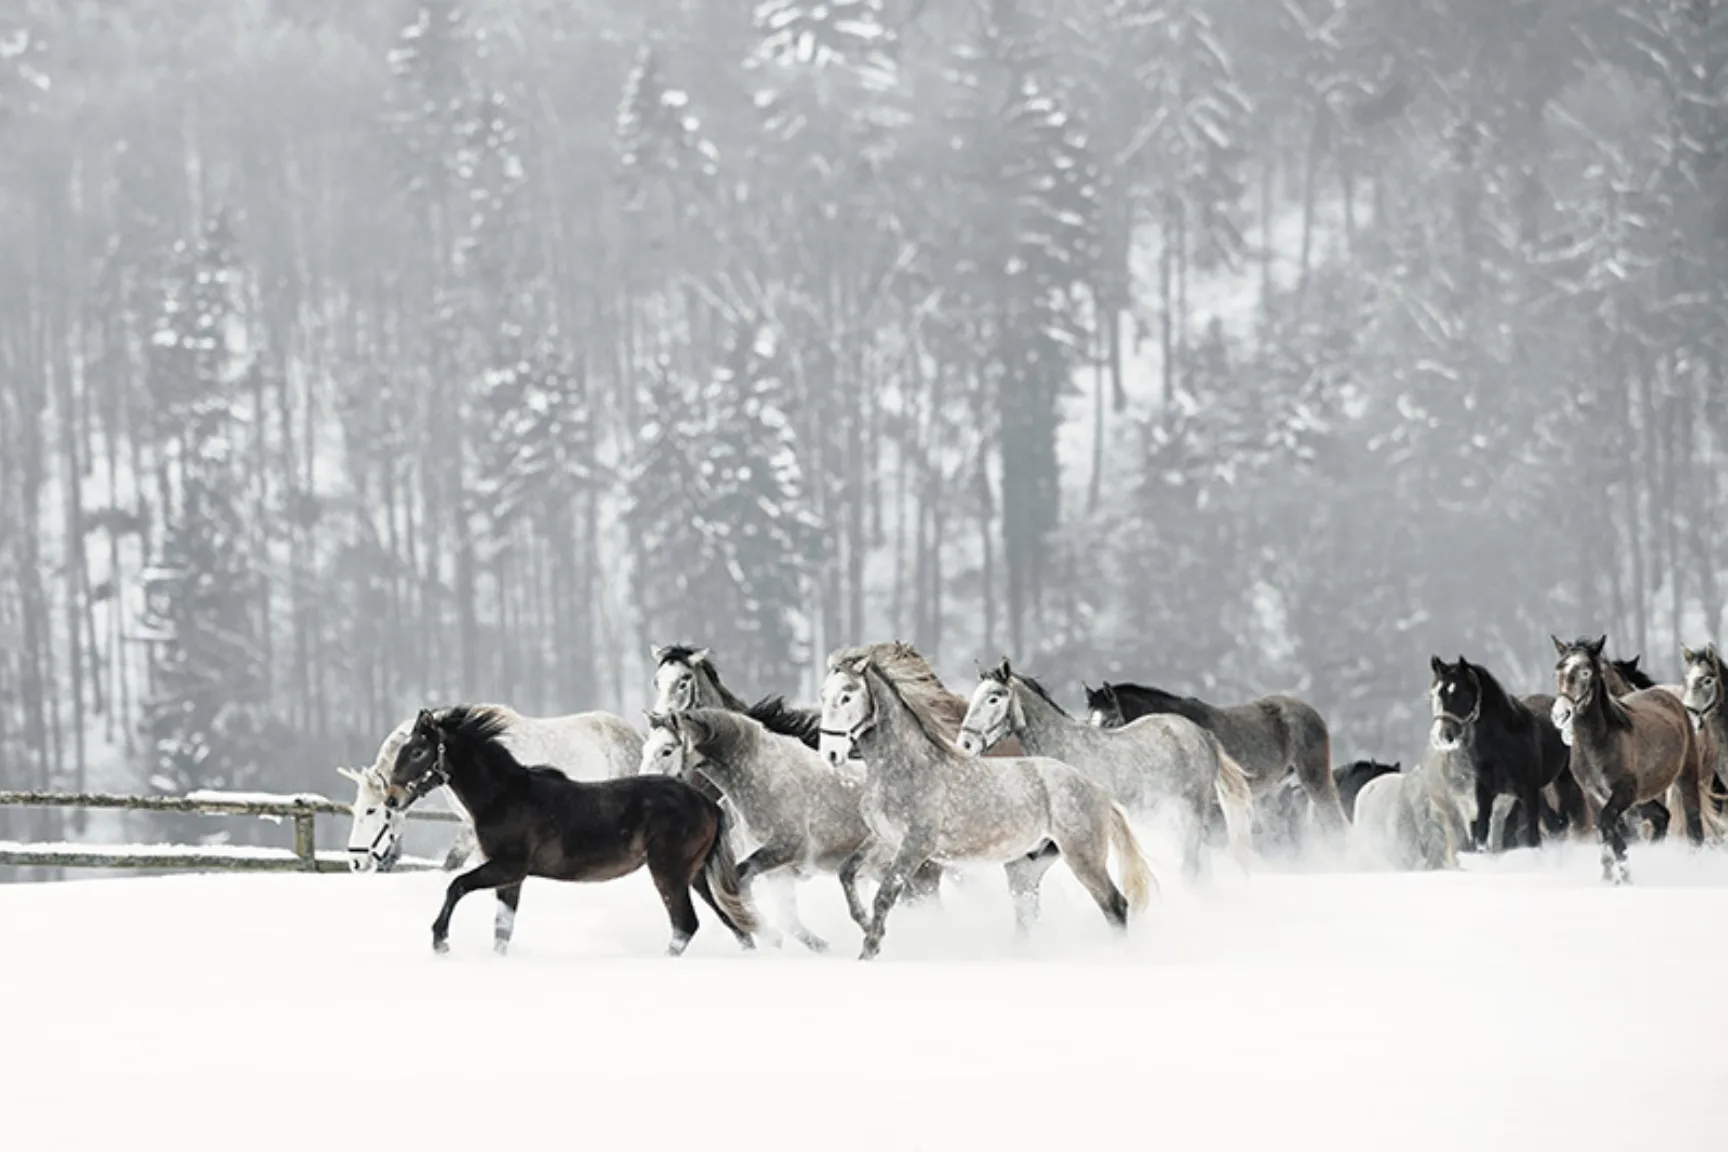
x=719, y=526
x=204, y=722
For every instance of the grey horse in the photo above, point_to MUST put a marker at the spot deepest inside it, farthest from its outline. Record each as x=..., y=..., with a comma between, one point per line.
x=804, y=813
x=1144, y=764
x=1417, y=820
x=926, y=800
x=1270, y=737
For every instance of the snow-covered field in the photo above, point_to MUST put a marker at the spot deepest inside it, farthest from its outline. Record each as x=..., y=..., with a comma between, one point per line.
x=1519, y=1004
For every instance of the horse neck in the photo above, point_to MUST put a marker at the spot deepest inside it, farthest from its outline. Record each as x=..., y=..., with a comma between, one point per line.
x=710, y=693
x=730, y=740
x=1604, y=711
x=1047, y=726
x=897, y=740
x=480, y=773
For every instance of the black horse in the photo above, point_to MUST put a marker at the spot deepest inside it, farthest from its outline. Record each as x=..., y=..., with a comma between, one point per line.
x=1513, y=748
x=535, y=821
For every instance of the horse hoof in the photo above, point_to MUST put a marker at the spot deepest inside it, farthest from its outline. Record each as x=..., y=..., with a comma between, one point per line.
x=814, y=943
x=871, y=948
x=441, y=947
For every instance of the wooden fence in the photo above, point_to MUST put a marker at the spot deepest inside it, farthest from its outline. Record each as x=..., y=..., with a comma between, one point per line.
x=302, y=810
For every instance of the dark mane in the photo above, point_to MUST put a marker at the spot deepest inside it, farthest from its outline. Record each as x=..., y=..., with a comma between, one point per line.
x=1632, y=674
x=475, y=724
x=1157, y=700
x=774, y=714
x=1491, y=690
x=1002, y=675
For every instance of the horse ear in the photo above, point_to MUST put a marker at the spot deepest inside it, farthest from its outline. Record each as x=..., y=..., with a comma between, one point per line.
x=658, y=651
x=350, y=774
x=1559, y=647
x=700, y=656
x=424, y=720
x=1005, y=672
x=1687, y=656
x=1437, y=664
x=1598, y=644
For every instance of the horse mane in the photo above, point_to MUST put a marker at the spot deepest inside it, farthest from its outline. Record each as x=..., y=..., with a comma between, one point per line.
x=914, y=680
x=909, y=677
x=1489, y=686
x=1158, y=700
x=781, y=718
x=474, y=723
x=702, y=664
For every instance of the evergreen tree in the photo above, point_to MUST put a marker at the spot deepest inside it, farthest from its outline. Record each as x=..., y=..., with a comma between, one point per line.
x=204, y=723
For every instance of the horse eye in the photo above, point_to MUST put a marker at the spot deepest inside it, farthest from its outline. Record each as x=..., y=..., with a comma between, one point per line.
x=667, y=751
x=845, y=697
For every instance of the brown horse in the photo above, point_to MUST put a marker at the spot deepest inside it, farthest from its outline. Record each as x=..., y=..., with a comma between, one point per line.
x=1625, y=750
x=1706, y=684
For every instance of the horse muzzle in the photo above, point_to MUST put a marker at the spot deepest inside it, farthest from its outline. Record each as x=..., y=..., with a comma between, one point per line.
x=1443, y=737
x=970, y=743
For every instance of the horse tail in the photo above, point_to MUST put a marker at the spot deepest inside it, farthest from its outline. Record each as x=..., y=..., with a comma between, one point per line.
x=1236, y=798
x=1138, y=883
x=721, y=869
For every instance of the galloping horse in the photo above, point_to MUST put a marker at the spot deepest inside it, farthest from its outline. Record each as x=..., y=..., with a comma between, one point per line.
x=925, y=800
x=1270, y=737
x=1625, y=750
x=1147, y=762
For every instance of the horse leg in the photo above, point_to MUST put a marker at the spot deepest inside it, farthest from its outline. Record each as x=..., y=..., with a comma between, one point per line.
x=1091, y=868
x=674, y=886
x=1315, y=773
x=849, y=870
x=1612, y=825
x=1691, y=783
x=784, y=885
x=911, y=856
x=1485, y=795
x=504, y=922
x=1657, y=813
x=704, y=890
x=492, y=874
x=1024, y=876
x=1532, y=800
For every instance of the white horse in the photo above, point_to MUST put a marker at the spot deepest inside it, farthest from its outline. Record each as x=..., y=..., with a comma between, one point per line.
x=582, y=745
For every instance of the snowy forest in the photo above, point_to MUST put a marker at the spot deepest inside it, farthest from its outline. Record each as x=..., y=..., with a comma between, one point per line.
x=362, y=357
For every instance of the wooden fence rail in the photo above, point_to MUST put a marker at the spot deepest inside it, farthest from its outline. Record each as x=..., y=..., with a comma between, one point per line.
x=303, y=810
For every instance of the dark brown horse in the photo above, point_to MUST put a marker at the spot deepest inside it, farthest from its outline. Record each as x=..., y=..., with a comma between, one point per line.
x=536, y=821
x=1625, y=750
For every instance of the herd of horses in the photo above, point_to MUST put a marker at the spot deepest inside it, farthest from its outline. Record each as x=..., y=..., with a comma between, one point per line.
x=891, y=777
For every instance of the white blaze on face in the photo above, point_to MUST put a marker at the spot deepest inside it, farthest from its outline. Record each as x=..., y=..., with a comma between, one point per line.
x=986, y=716
x=674, y=687
x=844, y=704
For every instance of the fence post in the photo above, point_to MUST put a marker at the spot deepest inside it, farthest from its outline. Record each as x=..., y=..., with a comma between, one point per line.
x=306, y=840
